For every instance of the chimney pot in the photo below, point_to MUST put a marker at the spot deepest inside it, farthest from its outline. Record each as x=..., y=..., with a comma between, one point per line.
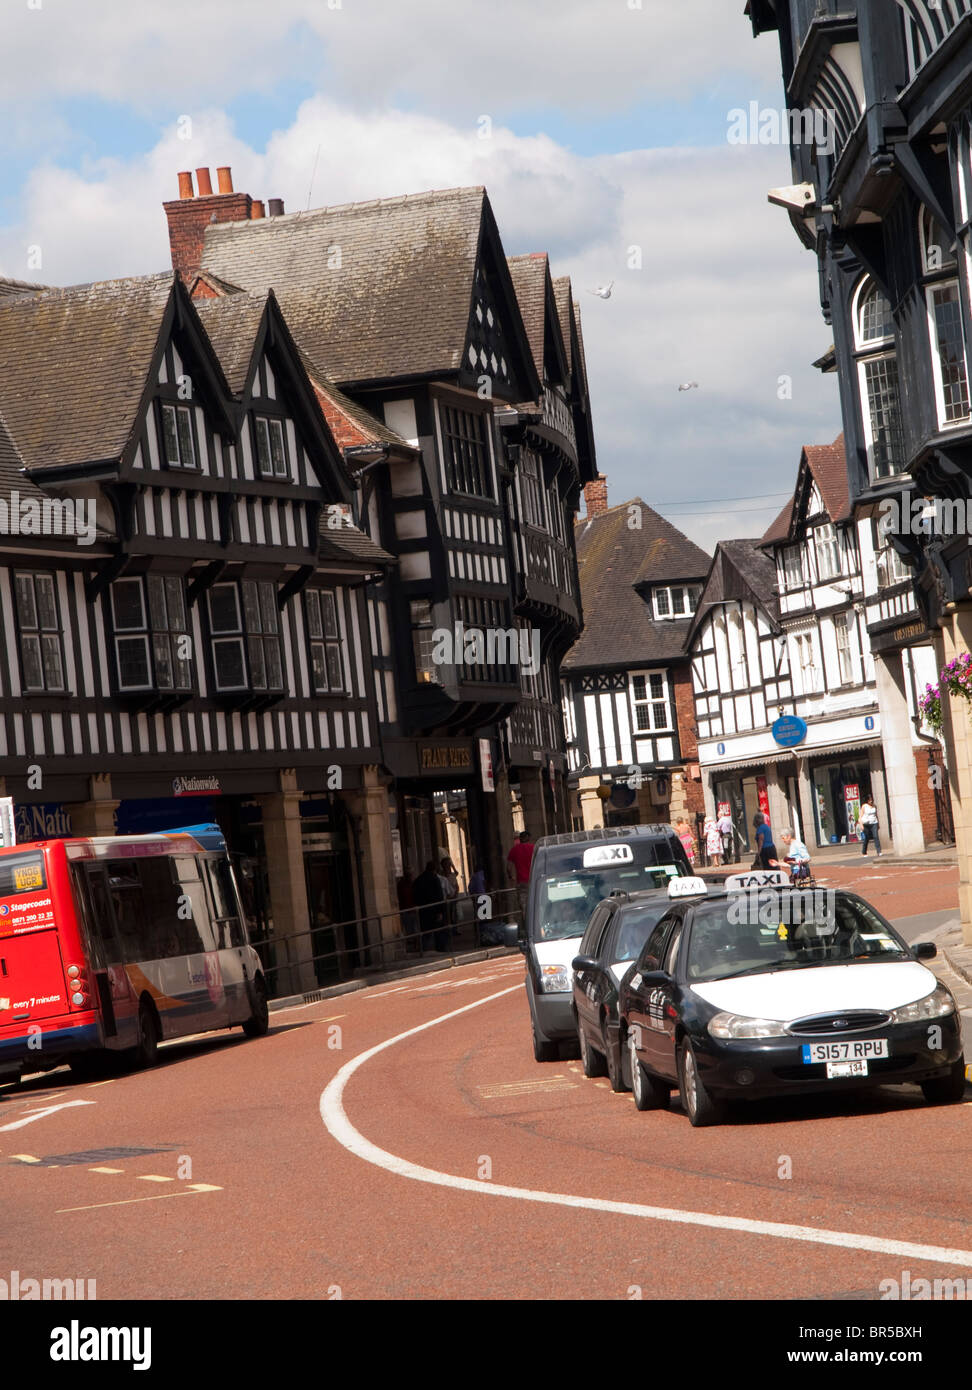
x=256, y=211
x=224, y=177
x=204, y=183
x=185, y=184
x=275, y=207
x=596, y=496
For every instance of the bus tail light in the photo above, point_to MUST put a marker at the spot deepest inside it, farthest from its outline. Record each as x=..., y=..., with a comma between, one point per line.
x=79, y=991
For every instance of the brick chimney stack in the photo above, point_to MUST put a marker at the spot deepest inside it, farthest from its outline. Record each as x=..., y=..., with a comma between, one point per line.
x=189, y=216
x=595, y=496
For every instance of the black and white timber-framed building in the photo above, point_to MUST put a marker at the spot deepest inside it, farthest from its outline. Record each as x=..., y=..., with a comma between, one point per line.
x=626, y=684
x=887, y=212
x=182, y=641
x=409, y=323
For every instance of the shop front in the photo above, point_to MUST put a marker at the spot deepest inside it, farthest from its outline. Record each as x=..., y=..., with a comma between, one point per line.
x=839, y=787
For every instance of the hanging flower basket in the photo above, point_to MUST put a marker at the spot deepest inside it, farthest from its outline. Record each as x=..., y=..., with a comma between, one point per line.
x=930, y=708
x=956, y=678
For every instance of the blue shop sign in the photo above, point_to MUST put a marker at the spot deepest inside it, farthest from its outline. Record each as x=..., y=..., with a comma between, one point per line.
x=789, y=731
x=47, y=820
x=869, y=722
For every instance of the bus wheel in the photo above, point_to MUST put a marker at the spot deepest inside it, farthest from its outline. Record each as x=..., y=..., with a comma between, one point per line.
x=146, y=1051
x=259, y=1021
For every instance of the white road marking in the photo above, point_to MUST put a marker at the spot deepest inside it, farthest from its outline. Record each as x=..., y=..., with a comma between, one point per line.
x=106, y=1170
x=39, y=1114
x=26, y=1158
x=153, y=1177
x=194, y=1190
x=340, y=1127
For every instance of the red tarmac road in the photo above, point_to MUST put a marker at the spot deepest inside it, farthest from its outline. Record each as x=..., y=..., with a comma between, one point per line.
x=276, y=1207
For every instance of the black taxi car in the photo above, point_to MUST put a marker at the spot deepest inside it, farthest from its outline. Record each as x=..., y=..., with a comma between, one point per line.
x=776, y=991
x=615, y=935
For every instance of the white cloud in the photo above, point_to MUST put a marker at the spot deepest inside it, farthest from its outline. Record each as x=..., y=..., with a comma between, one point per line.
x=725, y=296
x=448, y=55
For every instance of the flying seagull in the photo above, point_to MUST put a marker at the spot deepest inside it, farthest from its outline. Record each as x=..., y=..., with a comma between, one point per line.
x=688, y=385
x=603, y=291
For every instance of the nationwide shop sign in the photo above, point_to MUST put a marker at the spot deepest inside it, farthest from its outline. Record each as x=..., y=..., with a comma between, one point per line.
x=196, y=786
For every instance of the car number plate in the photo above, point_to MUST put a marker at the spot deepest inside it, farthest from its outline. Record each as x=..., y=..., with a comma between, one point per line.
x=847, y=1050
x=835, y=1069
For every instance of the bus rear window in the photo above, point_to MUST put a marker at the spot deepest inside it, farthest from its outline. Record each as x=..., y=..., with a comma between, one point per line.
x=21, y=873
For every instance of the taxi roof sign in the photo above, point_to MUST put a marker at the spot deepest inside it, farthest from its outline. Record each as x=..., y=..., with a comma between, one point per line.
x=601, y=855
x=687, y=887
x=757, y=878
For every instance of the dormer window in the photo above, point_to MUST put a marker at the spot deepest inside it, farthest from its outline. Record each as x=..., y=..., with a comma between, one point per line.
x=827, y=547
x=271, y=447
x=793, y=567
x=178, y=437
x=676, y=600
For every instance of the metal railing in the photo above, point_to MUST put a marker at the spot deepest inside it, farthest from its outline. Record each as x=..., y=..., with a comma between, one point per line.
x=293, y=965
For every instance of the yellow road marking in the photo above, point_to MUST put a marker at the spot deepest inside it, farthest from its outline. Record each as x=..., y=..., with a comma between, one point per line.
x=106, y=1170
x=194, y=1191
x=153, y=1177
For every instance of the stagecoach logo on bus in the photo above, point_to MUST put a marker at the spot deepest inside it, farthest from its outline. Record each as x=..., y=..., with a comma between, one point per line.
x=195, y=786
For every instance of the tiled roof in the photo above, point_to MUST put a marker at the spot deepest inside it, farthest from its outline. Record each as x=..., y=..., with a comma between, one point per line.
x=16, y=287
x=349, y=542
x=15, y=484
x=529, y=275
x=231, y=323
x=399, y=302
x=826, y=464
x=351, y=425
x=74, y=364
x=620, y=630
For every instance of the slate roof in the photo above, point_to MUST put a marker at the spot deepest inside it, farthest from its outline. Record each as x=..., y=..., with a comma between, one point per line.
x=74, y=364
x=741, y=570
x=399, y=303
x=620, y=630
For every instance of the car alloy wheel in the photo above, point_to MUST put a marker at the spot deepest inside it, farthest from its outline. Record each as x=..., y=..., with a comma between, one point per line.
x=699, y=1105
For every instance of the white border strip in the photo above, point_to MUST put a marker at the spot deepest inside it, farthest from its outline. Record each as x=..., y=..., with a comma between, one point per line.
x=340, y=1127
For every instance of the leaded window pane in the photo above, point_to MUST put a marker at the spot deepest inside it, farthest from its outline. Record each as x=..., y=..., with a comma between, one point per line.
x=162, y=651
x=224, y=609
x=951, y=351
x=132, y=654
x=318, y=665
x=175, y=603
x=277, y=448
x=268, y=608
x=262, y=432
x=876, y=320
x=274, y=666
x=30, y=651
x=170, y=435
x=329, y=612
x=26, y=606
x=46, y=602
x=312, y=603
x=258, y=672
x=157, y=613
x=229, y=664
x=335, y=675
x=251, y=606
x=187, y=450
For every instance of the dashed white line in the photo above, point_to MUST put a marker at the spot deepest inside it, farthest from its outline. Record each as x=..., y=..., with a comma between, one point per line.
x=340, y=1127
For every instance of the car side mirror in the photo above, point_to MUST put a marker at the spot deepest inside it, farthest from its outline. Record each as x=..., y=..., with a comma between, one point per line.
x=655, y=977
x=509, y=934
x=925, y=950
x=581, y=963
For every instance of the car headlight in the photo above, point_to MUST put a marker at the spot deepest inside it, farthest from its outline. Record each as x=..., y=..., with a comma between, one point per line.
x=555, y=979
x=737, y=1026
x=934, y=1005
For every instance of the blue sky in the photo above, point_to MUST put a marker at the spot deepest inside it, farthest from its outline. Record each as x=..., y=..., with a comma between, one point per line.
x=609, y=130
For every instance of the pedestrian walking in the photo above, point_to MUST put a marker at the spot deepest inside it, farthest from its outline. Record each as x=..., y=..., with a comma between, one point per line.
x=684, y=833
x=765, y=849
x=796, y=855
x=518, y=863
x=725, y=830
x=713, y=841
x=477, y=884
x=430, y=901
x=406, y=904
x=449, y=877
x=867, y=823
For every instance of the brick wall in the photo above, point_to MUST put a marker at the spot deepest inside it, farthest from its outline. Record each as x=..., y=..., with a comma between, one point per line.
x=685, y=713
x=926, y=793
x=188, y=219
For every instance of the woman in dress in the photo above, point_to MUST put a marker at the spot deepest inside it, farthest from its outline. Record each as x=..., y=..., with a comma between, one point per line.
x=713, y=841
x=684, y=833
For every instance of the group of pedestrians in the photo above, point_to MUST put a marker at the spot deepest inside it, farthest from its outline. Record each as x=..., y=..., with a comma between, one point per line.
x=427, y=905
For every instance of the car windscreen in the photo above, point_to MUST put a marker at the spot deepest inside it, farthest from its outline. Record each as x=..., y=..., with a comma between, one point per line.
x=632, y=930
x=785, y=929
x=567, y=898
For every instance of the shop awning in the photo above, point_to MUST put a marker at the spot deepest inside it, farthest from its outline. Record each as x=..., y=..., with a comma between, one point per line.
x=784, y=755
